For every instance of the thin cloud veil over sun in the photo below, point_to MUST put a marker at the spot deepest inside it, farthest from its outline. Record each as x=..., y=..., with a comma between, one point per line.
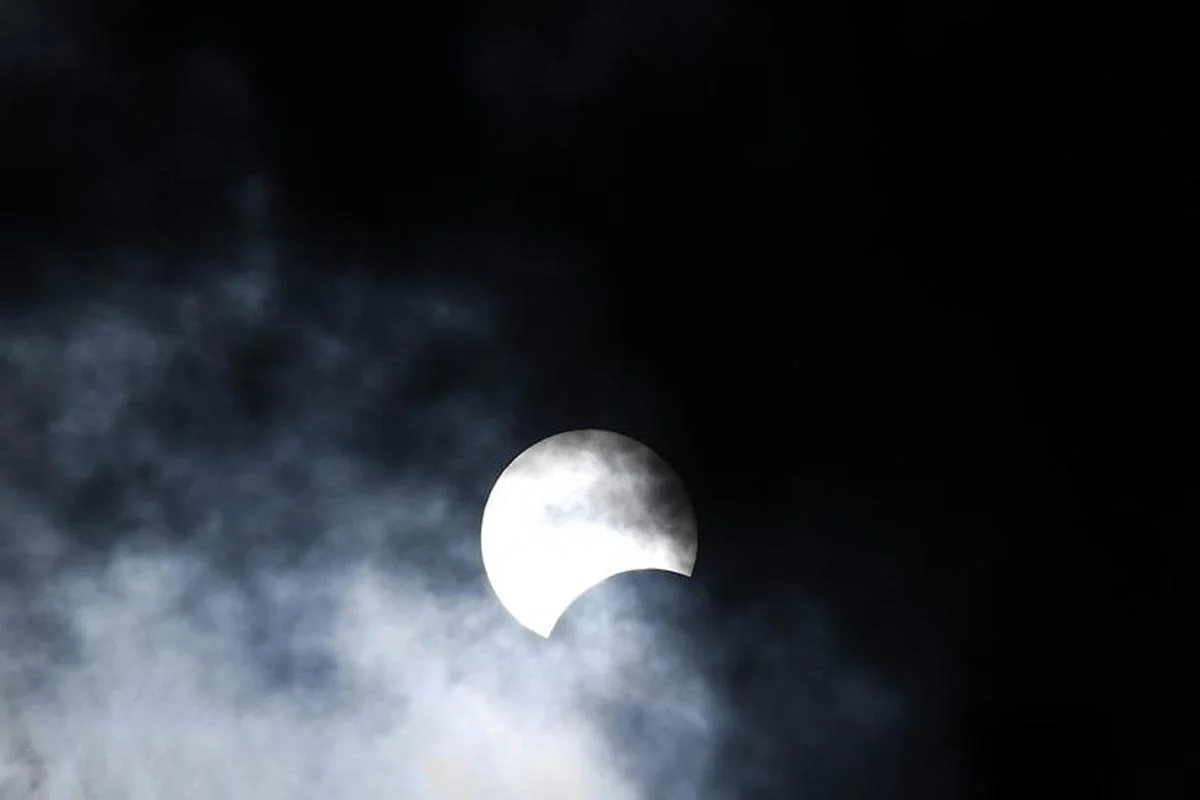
x=576, y=509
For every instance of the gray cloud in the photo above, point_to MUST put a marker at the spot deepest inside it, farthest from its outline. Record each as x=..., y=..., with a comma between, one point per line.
x=201, y=599
x=203, y=602
x=239, y=511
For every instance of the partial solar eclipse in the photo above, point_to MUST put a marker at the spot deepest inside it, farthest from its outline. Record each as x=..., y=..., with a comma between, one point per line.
x=574, y=510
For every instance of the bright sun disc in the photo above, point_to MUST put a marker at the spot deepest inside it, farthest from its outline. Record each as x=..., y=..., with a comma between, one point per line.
x=572, y=511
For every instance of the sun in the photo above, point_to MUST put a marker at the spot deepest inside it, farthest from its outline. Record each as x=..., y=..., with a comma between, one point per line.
x=574, y=510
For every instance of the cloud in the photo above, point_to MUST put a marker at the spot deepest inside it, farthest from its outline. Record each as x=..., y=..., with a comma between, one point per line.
x=156, y=701
x=239, y=536
x=240, y=495
x=202, y=601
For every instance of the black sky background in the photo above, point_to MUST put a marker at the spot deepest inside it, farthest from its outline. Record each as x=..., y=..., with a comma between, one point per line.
x=898, y=291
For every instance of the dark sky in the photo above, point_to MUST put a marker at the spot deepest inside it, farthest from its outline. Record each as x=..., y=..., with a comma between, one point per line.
x=899, y=292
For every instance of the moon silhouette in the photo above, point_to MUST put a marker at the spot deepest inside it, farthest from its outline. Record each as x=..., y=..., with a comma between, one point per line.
x=574, y=510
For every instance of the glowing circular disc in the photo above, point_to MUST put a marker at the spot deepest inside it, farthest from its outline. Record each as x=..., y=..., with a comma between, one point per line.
x=572, y=511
